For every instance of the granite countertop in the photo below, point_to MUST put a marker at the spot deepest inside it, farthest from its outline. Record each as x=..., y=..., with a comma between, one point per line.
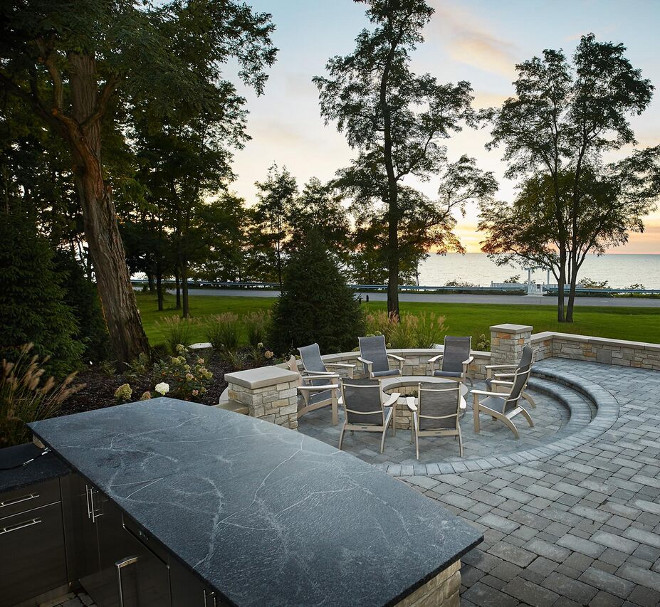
x=43, y=468
x=264, y=514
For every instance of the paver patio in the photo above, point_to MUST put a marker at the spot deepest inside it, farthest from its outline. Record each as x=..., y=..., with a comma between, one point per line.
x=579, y=527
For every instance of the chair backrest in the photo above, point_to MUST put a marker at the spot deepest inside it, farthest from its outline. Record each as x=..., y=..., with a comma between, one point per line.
x=292, y=363
x=311, y=359
x=526, y=359
x=457, y=349
x=519, y=382
x=362, y=401
x=438, y=407
x=373, y=349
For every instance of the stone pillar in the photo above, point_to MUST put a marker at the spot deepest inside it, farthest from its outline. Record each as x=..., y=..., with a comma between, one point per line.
x=440, y=591
x=270, y=393
x=507, y=342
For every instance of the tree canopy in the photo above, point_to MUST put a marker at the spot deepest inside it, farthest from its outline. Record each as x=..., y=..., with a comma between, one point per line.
x=396, y=120
x=80, y=65
x=564, y=117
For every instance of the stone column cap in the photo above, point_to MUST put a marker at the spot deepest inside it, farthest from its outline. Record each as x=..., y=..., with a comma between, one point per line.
x=510, y=328
x=261, y=377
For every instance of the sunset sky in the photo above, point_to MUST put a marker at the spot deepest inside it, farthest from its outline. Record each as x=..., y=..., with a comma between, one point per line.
x=475, y=40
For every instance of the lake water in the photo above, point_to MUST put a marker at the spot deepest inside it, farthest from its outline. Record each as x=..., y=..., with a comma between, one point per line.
x=476, y=268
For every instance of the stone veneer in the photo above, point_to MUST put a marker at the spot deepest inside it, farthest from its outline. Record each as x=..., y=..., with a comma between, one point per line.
x=440, y=591
x=270, y=393
x=597, y=349
x=507, y=342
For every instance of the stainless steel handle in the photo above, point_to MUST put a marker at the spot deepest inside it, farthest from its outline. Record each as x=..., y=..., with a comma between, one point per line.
x=209, y=596
x=92, y=511
x=17, y=526
x=18, y=500
x=129, y=560
x=87, y=498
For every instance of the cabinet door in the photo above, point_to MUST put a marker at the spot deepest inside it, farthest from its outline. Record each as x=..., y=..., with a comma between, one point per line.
x=32, y=557
x=189, y=591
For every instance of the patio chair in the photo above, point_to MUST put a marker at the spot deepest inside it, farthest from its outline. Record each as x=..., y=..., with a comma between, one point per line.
x=313, y=363
x=502, y=406
x=454, y=360
x=497, y=381
x=436, y=412
x=376, y=359
x=367, y=408
x=317, y=391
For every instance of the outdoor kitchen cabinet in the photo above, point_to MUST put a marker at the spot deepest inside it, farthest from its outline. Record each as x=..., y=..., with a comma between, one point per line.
x=189, y=591
x=32, y=557
x=113, y=559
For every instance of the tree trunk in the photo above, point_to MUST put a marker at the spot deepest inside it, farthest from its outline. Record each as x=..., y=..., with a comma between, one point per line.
x=100, y=218
x=185, y=312
x=177, y=285
x=159, y=285
x=571, y=295
x=561, y=281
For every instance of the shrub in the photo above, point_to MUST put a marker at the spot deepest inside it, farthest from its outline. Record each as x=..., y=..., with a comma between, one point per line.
x=256, y=326
x=24, y=397
x=177, y=331
x=380, y=323
x=315, y=304
x=483, y=343
x=223, y=331
x=185, y=375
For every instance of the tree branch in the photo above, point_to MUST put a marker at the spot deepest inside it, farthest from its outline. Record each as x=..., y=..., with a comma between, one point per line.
x=106, y=93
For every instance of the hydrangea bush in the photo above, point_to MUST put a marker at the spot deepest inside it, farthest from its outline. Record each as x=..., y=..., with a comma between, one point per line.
x=182, y=376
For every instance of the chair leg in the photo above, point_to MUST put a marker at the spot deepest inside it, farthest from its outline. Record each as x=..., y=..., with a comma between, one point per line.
x=529, y=399
x=510, y=425
x=341, y=435
x=527, y=416
x=475, y=415
x=460, y=442
x=382, y=439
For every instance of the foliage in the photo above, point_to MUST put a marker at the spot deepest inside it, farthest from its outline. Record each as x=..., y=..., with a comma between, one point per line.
x=31, y=297
x=85, y=66
x=588, y=283
x=25, y=397
x=482, y=344
x=223, y=331
x=396, y=121
x=555, y=131
x=256, y=326
x=315, y=304
x=81, y=296
x=460, y=283
x=177, y=331
x=124, y=393
x=411, y=331
x=185, y=374
x=512, y=280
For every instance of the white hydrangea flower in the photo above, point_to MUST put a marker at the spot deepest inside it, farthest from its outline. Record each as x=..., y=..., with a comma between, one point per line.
x=162, y=388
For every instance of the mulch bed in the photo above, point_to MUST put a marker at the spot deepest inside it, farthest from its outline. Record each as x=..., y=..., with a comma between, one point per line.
x=99, y=388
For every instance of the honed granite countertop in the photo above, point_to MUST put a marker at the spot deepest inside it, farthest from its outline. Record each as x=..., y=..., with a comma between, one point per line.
x=16, y=469
x=266, y=515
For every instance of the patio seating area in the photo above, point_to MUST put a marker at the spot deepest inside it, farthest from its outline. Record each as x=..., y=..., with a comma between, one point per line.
x=570, y=511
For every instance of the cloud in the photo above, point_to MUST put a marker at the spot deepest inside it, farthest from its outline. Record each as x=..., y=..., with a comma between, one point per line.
x=471, y=42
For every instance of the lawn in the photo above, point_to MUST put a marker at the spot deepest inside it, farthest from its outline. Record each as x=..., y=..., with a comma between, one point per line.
x=636, y=324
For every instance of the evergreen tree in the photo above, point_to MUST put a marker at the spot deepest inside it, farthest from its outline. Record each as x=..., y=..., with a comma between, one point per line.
x=316, y=304
x=31, y=298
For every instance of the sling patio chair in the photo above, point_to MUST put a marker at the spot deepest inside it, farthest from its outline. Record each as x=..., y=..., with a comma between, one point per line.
x=376, y=359
x=367, y=408
x=317, y=391
x=498, y=377
x=454, y=360
x=313, y=363
x=503, y=406
x=436, y=412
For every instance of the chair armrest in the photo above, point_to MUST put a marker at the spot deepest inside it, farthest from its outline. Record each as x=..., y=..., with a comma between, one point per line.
x=410, y=401
x=469, y=360
x=391, y=401
x=435, y=358
x=500, y=382
x=499, y=366
x=320, y=376
x=395, y=357
x=318, y=373
x=318, y=388
x=340, y=365
x=365, y=361
x=485, y=393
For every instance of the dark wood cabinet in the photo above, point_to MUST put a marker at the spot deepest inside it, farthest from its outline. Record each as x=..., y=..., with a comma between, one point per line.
x=32, y=555
x=188, y=590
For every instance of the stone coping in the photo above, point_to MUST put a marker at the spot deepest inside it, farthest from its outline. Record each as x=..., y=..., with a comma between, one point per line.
x=589, y=339
x=512, y=328
x=261, y=377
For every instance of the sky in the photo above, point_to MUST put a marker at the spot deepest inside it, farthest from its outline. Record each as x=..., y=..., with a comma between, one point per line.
x=475, y=40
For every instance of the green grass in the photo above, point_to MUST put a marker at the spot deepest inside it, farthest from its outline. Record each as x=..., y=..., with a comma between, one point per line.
x=636, y=324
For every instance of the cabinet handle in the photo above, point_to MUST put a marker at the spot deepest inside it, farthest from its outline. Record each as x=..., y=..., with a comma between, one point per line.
x=129, y=560
x=87, y=498
x=92, y=512
x=18, y=500
x=210, y=595
x=17, y=526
